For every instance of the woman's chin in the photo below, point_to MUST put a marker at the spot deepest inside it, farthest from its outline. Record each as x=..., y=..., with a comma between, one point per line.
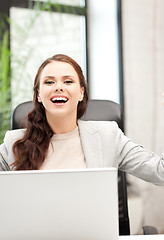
x=61, y=114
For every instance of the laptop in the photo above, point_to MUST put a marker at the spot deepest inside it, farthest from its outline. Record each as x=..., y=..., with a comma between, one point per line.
x=59, y=204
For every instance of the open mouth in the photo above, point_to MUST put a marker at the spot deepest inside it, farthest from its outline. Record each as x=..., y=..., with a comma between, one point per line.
x=59, y=100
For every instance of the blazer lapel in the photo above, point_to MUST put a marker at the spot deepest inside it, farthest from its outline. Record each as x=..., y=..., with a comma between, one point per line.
x=91, y=144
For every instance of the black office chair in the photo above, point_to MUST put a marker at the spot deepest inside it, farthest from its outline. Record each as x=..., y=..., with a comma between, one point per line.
x=98, y=110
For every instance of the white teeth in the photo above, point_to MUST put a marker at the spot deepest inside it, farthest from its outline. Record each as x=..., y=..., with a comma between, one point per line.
x=59, y=99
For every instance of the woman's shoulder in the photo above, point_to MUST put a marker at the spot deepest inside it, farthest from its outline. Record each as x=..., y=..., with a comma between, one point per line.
x=99, y=125
x=6, y=153
x=13, y=135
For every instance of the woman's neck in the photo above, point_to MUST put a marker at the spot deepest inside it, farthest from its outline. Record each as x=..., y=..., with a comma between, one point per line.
x=62, y=125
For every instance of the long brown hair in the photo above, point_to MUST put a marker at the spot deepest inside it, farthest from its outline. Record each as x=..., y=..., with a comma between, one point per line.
x=30, y=151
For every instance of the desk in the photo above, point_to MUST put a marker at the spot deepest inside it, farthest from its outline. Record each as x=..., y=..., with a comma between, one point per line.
x=142, y=237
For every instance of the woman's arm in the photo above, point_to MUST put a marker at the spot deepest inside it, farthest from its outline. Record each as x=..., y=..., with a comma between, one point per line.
x=138, y=161
x=6, y=152
x=3, y=158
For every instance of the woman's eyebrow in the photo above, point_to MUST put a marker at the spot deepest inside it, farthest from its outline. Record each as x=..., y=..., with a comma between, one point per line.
x=68, y=76
x=49, y=77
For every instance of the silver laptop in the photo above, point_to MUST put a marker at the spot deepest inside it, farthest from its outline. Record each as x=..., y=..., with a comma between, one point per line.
x=59, y=205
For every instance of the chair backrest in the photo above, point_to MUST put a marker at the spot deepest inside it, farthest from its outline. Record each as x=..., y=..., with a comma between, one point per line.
x=19, y=115
x=98, y=110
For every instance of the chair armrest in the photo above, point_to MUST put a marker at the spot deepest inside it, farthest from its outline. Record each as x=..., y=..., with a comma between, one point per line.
x=149, y=230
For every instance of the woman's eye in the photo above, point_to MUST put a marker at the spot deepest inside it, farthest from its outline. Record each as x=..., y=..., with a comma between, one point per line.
x=49, y=82
x=68, y=81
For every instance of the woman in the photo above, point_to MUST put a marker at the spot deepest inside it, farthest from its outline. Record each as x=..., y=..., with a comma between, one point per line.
x=56, y=138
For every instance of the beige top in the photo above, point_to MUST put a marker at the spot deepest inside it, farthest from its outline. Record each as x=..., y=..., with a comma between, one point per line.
x=65, y=151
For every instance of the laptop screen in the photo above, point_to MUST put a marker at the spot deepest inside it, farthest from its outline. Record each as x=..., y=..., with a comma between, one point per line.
x=55, y=204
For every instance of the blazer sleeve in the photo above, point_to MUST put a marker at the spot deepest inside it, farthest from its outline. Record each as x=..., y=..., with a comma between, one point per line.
x=3, y=158
x=136, y=160
x=6, y=153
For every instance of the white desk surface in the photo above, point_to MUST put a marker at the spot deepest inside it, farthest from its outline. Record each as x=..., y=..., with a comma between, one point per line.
x=142, y=237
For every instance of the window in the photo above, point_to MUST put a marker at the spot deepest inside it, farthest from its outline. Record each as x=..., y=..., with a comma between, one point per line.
x=40, y=32
x=104, y=41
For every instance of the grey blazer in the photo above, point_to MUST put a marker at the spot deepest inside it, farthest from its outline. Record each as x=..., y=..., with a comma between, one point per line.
x=104, y=145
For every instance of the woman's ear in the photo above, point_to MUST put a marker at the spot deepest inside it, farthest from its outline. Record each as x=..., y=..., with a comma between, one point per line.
x=81, y=94
x=39, y=98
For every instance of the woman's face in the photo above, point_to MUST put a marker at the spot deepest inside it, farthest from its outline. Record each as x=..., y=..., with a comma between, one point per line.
x=60, y=90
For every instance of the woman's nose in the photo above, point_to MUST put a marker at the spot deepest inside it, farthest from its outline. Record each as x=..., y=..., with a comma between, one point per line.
x=58, y=90
x=58, y=87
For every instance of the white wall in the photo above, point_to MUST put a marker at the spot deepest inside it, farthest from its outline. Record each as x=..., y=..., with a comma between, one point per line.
x=143, y=51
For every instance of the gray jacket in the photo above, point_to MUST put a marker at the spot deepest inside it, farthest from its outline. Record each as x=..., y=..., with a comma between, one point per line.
x=104, y=145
